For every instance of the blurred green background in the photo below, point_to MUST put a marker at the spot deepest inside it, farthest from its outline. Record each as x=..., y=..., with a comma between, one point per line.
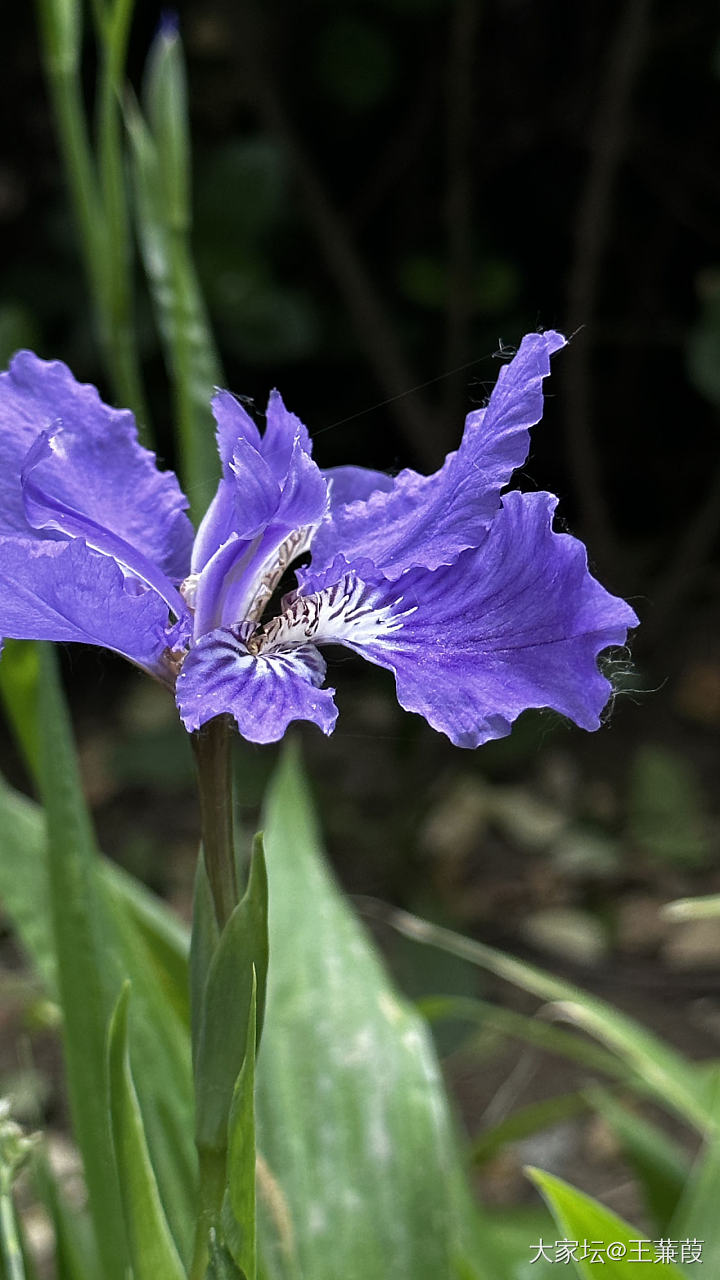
x=385, y=194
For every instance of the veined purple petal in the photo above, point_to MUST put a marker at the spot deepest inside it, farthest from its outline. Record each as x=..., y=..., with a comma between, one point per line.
x=518, y=623
x=429, y=520
x=49, y=487
x=65, y=591
x=264, y=693
x=355, y=484
x=102, y=472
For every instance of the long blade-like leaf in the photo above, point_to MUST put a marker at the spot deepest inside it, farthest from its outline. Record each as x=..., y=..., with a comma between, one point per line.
x=358, y=1170
x=152, y=1248
x=78, y=933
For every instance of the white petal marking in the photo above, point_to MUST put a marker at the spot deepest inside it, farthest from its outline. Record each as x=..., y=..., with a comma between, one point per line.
x=348, y=612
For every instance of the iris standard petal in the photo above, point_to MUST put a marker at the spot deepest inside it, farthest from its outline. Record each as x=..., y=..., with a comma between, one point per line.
x=429, y=520
x=101, y=471
x=271, y=526
x=517, y=623
x=264, y=693
x=233, y=423
x=65, y=591
x=283, y=431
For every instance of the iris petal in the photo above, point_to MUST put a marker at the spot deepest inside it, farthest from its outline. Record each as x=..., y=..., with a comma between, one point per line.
x=66, y=591
x=264, y=693
x=102, y=472
x=429, y=520
x=517, y=623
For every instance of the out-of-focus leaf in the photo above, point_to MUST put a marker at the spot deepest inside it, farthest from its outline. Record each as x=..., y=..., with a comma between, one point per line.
x=581, y=1218
x=152, y=1248
x=79, y=931
x=535, y=1030
x=163, y=224
x=697, y=1213
x=139, y=939
x=707, y=908
x=657, y=1069
x=666, y=816
x=19, y=671
x=660, y=1164
x=359, y=1174
x=75, y=1249
x=525, y=1122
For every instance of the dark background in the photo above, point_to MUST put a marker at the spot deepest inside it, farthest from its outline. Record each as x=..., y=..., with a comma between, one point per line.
x=385, y=194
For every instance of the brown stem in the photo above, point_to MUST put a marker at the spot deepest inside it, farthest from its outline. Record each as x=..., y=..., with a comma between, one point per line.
x=212, y=757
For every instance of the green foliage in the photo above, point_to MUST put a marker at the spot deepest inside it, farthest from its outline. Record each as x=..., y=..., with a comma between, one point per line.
x=160, y=155
x=152, y=1250
x=359, y=1169
x=656, y=1068
x=237, y=967
x=659, y=1163
x=580, y=1218
x=239, y=1209
x=78, y=938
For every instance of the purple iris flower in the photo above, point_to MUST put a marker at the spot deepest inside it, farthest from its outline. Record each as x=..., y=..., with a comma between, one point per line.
x=466, y=593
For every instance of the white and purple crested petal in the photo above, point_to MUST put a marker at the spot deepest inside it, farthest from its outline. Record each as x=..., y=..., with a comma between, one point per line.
x=427, y=521
x=98, y=469
x=515, y=624
x=264, y=693
x=65, y=591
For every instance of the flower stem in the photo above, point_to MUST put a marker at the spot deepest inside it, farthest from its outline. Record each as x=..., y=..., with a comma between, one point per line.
x=212, y=757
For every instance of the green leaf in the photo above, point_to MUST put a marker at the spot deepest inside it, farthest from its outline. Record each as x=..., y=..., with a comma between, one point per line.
x=697, y=1212
x=239, y=1207
x=660, y=1164
x=166, y=108
x=80, y=942
x=75, y=1249
x=163, y=224
x=226, y=1000
x=152, y=1248
x=358, y=1171
x=535, y=1030
x=525, y=1122
x=164, y=935
x=657, y=1069
x=142, y=940
x=221, y=1265
x=19, y=673
x=582, y=1218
